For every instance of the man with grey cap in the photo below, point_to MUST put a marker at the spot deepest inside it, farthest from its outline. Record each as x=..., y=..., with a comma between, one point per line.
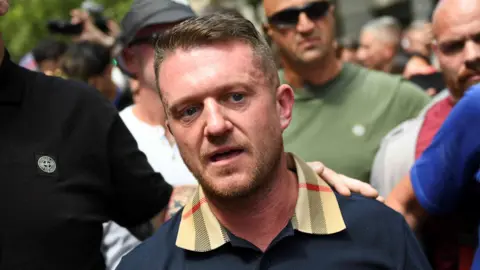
x=145, y=119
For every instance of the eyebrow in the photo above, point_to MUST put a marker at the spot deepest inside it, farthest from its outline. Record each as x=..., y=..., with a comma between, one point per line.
x=458, y=38
x=174, y=106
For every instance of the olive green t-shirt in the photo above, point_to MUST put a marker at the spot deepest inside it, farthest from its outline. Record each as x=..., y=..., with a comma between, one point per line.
x=342, y=122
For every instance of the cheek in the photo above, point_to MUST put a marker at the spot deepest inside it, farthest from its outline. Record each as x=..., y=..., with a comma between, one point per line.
x=188, y=139
x=450, y=65
x=324, y=28
x=285, y=39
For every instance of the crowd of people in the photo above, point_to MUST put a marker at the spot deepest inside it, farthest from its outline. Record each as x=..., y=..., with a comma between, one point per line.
x=179, y=139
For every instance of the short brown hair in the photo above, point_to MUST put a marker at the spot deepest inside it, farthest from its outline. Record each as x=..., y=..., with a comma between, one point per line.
x=213, y=29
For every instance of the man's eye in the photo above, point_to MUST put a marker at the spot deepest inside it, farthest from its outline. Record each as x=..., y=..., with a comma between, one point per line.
x=236, y=97
x=452, y=47
x=190, y=111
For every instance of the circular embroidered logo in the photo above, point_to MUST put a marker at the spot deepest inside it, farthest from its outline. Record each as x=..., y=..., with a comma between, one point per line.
x=47, y=164
x=358, y=130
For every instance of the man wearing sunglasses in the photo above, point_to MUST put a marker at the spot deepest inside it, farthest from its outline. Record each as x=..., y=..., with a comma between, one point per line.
x=341, y=110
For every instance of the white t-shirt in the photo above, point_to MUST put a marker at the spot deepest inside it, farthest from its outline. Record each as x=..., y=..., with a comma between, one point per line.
x=162, y=156
x=165, y=159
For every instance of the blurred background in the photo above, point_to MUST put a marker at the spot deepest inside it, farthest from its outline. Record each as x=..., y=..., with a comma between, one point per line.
x=26, y=23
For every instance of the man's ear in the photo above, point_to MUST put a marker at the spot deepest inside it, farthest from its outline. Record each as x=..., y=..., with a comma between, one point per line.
x=108, y=71
x=390, y=52
x=267, y=30
x=95, y=81
x=285, y=100
x=130, y=61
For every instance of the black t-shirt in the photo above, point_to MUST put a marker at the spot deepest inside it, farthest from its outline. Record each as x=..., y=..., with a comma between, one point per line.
x=67, y=164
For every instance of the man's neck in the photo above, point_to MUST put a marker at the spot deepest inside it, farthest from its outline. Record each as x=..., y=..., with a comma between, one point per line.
x=318, y=73
x=148, y=107
x=388, y=67
x=261, y=217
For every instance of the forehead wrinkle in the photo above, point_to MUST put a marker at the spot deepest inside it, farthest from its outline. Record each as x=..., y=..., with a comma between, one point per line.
x=210, y=70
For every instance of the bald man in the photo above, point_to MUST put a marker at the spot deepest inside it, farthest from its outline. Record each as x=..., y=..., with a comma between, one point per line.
x=456, y=28
x=379, y=43
x=341, y=110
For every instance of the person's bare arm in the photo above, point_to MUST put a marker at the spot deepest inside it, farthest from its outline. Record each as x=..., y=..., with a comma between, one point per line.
x=403, y=200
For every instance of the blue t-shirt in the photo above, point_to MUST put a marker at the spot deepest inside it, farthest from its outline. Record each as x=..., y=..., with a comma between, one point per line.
x=449, y=169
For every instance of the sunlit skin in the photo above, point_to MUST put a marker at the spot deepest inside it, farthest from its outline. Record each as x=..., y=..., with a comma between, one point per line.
x=221, y=110
x=216, y=102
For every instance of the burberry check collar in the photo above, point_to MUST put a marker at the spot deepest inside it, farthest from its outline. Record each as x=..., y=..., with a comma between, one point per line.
x=317, y=212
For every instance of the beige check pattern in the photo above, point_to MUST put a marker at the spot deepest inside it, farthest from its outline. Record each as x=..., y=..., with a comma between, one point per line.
x=317, y=212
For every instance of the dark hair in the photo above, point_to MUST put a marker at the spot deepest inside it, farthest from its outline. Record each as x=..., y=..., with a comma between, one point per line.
x=213, y=29
x=212, y=9
x=85, y=59
x=49, y=49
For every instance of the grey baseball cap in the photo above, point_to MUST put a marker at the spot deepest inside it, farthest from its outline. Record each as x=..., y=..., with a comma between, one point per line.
x=145, y=13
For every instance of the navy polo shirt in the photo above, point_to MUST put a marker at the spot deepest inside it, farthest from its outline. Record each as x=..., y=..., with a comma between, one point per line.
x=67, y=165
x=327, y=231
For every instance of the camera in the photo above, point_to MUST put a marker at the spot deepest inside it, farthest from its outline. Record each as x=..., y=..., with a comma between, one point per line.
x=65, y=27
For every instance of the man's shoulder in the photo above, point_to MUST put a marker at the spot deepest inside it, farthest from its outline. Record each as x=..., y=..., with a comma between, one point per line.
x=154, y=252
x=411, y=127
x=386, y=79
x=66, y=88
x=359, y=211
x=69, y=97
x=471, y=101
x=128, y=117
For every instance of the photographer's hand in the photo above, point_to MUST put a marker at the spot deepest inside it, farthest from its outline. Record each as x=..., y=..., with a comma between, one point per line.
x=3, y=7
x=90, y=30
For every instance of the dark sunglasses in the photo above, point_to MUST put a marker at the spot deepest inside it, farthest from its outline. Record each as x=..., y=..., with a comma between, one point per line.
x=289, y=17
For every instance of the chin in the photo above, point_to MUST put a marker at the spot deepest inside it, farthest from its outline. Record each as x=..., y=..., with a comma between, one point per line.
x=311, y=57
x=230, y=186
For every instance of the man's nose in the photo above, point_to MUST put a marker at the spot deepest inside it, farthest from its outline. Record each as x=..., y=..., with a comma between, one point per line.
x=472, y=55
x=305, y=25
x=216, y=122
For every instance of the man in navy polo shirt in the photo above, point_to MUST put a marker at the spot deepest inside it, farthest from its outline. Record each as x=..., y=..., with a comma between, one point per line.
x=254, y=209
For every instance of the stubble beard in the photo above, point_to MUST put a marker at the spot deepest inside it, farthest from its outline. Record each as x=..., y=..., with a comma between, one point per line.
x=261, y=171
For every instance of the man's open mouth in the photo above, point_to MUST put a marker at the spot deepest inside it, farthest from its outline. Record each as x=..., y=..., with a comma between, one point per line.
x=226, y=154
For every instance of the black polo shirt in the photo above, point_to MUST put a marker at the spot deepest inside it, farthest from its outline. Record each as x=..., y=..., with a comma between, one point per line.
x=327, y=231
x=67, y=165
